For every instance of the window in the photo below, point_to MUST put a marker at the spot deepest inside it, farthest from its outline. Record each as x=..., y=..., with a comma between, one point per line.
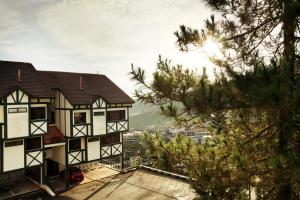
x=98, y=113
x=74, y=144
x=17, y=110
x=80, y=118
x=52, y=117
x=33, y=143
x=110, y=139
x=37, y=113
x=117, y=115
x=14, y=143
x=93, y=139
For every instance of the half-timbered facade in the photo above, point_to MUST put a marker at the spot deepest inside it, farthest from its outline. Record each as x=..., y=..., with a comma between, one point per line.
x=50, y=121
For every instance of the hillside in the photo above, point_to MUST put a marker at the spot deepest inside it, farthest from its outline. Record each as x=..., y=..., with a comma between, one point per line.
x=145, y=117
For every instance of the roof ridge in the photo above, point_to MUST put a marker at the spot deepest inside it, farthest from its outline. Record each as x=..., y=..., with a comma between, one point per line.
x=10, y=61
x=70, y=72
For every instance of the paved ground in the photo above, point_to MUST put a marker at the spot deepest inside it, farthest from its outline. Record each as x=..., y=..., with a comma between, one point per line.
x=134, y=185
x=98, y=172
x=18, y=188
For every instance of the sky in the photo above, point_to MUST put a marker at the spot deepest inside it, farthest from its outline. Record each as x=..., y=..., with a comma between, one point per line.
x=99, y=35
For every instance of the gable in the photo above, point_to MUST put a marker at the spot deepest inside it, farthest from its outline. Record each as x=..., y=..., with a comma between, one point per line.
x=16, y=97
x=99, y=103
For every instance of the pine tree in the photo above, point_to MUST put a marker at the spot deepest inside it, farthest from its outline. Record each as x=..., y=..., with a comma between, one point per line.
x=258, y=89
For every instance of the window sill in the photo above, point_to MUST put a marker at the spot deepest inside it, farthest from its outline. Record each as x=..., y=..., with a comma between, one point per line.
x=121, y=120
x=38, y=120
x=76, y=150
x=81, y=124
x=33, y=150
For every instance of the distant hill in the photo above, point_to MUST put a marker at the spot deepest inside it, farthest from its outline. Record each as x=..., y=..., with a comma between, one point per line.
x=147, y=117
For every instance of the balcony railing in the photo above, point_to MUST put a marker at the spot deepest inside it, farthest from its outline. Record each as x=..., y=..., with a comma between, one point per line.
x=81, y=130
x=75, y=156
x=34, y=157
x=38, y=127
x=111, y=150
x=117, y=126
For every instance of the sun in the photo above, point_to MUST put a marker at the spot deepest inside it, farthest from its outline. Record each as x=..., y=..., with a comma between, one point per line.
x=212, y=48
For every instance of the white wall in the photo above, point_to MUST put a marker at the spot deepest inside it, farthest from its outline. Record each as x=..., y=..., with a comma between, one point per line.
x=99, y=123
x=62, y=117
x=57, y=154
x=1, y=114
x=93, y=150
x=17, y=123
x=2, y=120
x=68, y=123
x=13, y=97
x=13, y=157
x=63, y=101
x=99, y=102
x=10, y=98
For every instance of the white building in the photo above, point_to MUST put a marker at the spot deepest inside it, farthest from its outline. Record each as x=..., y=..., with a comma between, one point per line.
x=50, y=121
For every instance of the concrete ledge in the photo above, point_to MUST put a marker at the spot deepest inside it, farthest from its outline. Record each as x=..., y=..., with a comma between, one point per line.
x=166, y=173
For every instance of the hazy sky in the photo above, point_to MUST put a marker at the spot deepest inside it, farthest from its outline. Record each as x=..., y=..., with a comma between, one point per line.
x=104, y=35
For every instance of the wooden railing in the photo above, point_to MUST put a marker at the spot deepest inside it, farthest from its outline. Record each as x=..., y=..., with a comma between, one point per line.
x=75, y=156
x=38, y=127
x=117, y=126
x=111, y=150
x=81, y=130
x=34, y=157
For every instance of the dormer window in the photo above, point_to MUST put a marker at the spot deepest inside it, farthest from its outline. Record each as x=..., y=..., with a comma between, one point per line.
x=79, y=118
x=38, y=113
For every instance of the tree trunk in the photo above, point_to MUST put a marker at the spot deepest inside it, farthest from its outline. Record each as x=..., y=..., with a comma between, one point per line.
x=285, y=110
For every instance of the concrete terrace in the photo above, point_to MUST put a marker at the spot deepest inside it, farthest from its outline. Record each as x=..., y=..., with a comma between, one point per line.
x=134, y=185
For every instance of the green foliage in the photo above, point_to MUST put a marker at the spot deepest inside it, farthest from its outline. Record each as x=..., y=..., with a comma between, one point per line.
x=169, y=155
x=253, y=103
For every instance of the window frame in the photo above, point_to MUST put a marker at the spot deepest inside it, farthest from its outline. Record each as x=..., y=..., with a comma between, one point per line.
x=108, y=139
x=33, y=138
x=98, y=113
x=74, y=118
x=39, y=119
x=17, y=110
x=73, y=140
x=108, y=115
x=94, y=139
x=13, y=143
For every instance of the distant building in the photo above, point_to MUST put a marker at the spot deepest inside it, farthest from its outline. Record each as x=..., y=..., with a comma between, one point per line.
x=131, y=143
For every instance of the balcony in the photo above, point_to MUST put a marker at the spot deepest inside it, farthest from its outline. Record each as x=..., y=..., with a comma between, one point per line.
x=34, y=157
x=117, y=126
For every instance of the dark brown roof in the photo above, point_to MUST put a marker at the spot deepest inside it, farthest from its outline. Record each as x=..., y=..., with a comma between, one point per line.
x=53, y=136
x=30, y=81
x=39, y=84
x=94, y=86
